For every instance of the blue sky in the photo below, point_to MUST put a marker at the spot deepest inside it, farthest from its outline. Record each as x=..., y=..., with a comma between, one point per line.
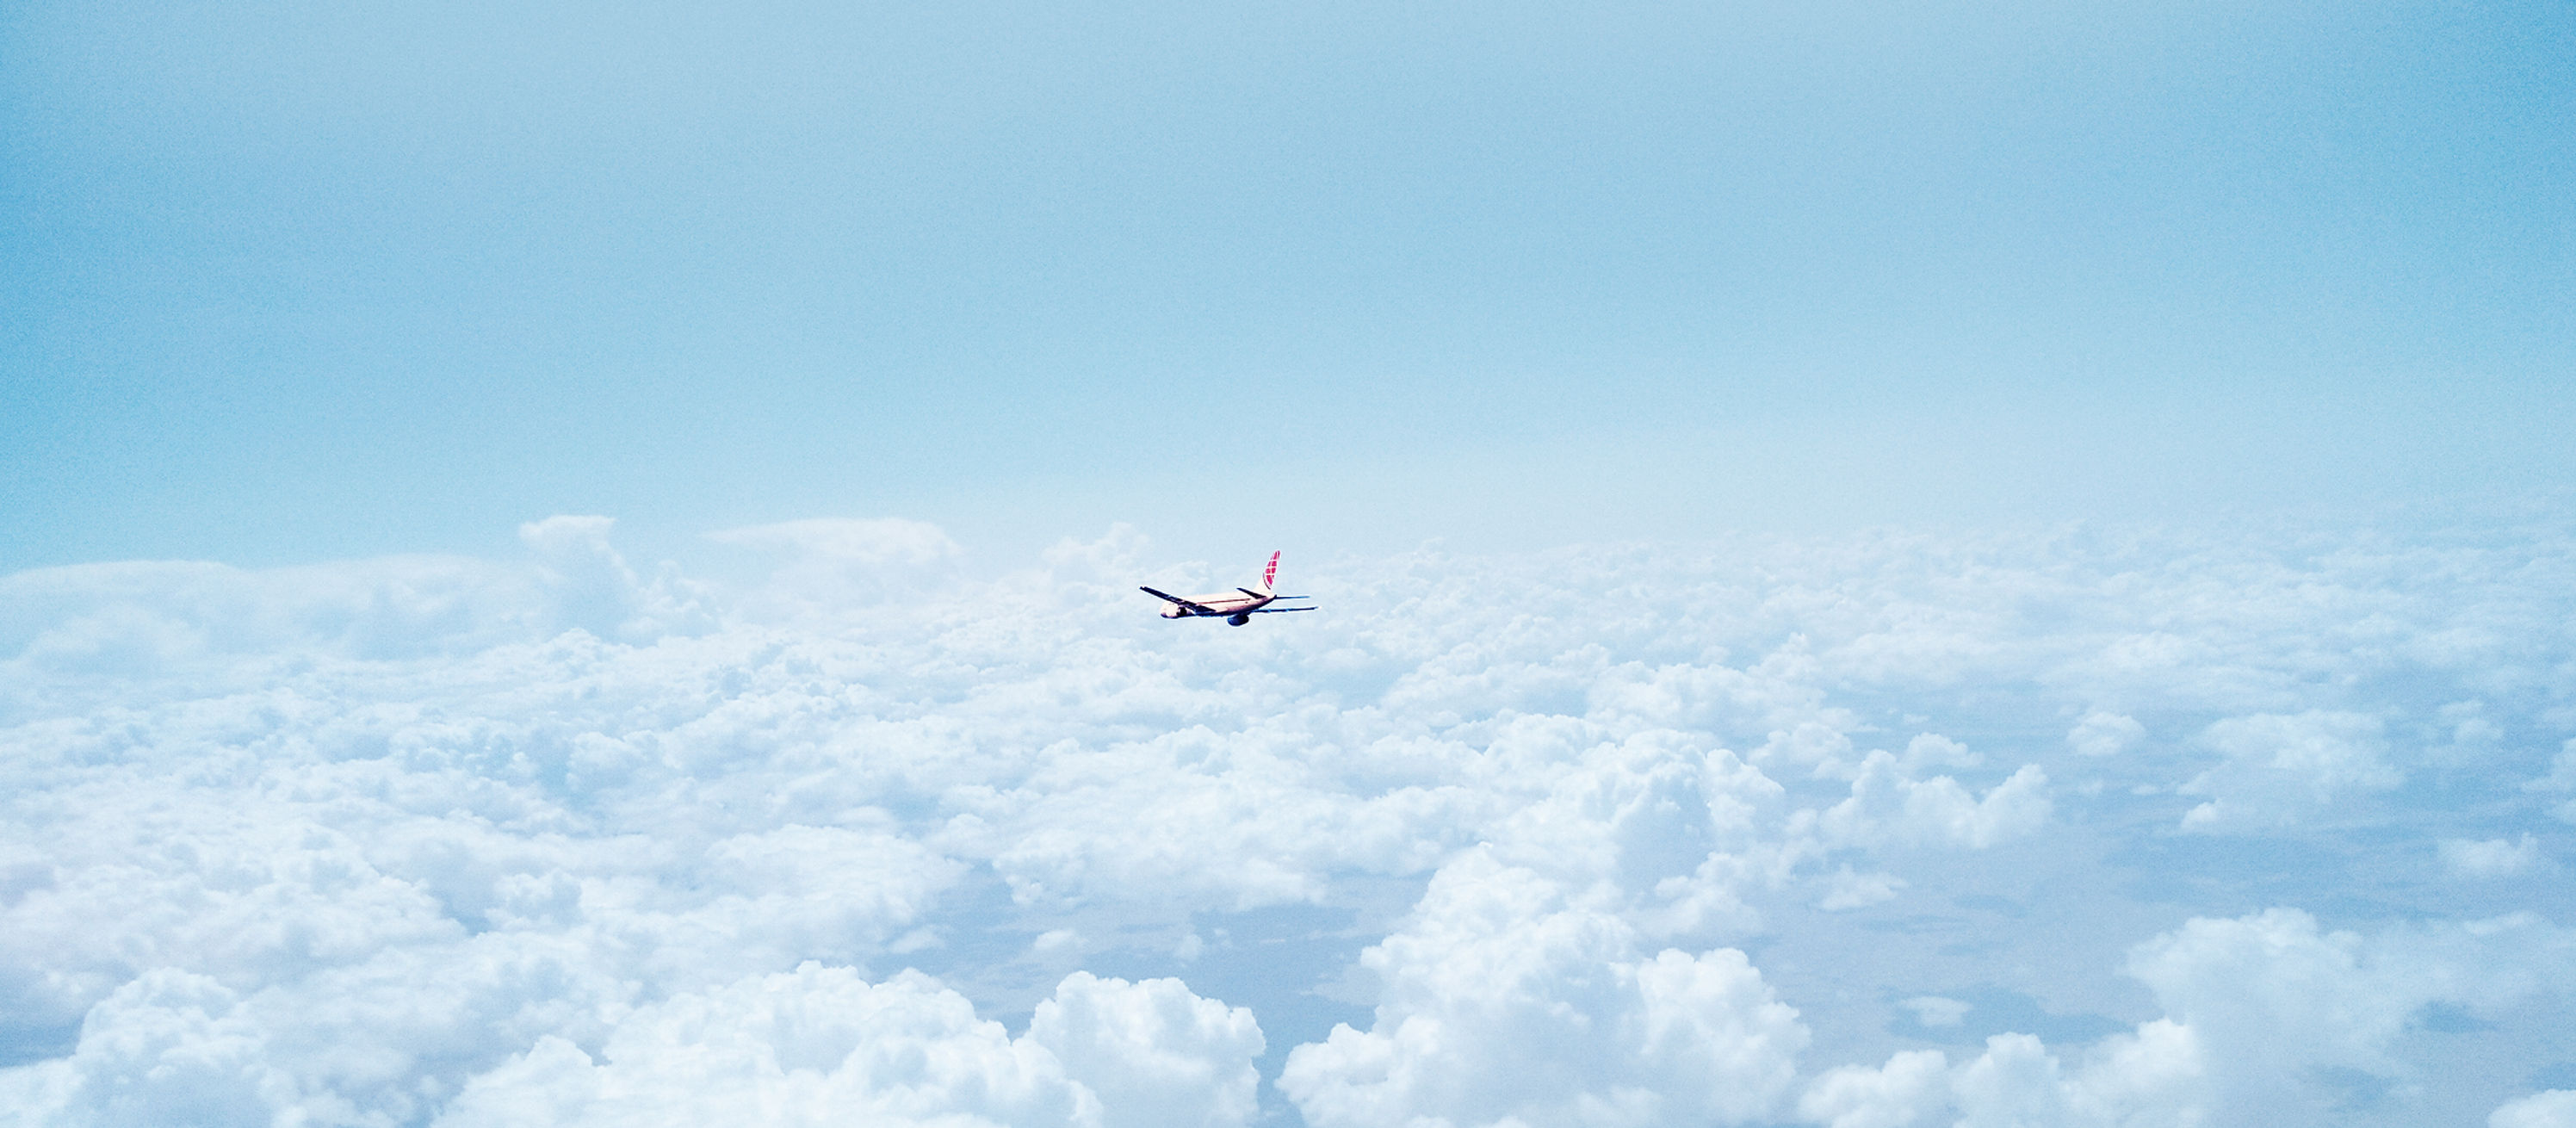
x=291, y=282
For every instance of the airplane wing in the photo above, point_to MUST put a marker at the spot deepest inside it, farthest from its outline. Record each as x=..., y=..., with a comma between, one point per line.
x=1276, y=610
x=1201, y=608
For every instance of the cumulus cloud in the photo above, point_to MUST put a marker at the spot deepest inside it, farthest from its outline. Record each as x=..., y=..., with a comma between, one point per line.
x=201, y=627
x=1848, y=890
x=2560, y=780
x=821, y=1045
x=592, y=587
x=1912, y=1088
x=166, y=1047
x=2146, y=1078
x=2104, y=734
x=2494, y=857
x=2279, y=766
x=2554, y=1108
x=1889, y=806
x=2263, y=1014
x=1154, y=1053
x=1508, y=1002
x=2272, y=996
x=1611, y=834
x=1933, y=1010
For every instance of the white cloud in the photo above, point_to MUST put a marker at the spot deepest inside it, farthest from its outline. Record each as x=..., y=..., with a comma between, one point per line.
x=1912, y=1088
x=2147, y=1078
x=2271, y=995
x=2274, y=987
x=2562, y=771
x=814, y=1046
x=1508, y=1002
x=1932, y=750
x=2279, y=766
x=2257, y=1010
x=167, y=1047
x=2561, y=779
x=2104, y=734
x=143, y=621
x=1889, y=806
x=1156, y=1055
x=1848, y=890
x=820, y=1045
x=2553, y=1108
x=381, y=841
x=593, y=588
x=1934, y=1010
x=2494, y=857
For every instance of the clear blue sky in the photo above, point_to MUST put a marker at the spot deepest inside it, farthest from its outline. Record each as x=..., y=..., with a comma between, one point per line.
x=293, y=281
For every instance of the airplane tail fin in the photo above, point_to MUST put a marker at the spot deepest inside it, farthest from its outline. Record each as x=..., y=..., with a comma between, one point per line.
x=1270, y=575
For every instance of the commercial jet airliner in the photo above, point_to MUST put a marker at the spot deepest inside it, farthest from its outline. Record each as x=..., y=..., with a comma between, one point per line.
x=1236, y=607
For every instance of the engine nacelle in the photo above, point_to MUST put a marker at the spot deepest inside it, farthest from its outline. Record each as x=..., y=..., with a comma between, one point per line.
x=1237, y=620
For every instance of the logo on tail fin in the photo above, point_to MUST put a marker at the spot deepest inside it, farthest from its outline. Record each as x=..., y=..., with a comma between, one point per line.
x=1270, y=574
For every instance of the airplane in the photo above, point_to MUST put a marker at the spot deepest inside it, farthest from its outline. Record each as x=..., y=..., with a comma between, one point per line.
x=1236, y=607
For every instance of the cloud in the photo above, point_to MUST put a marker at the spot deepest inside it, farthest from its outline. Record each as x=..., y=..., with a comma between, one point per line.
x=2494, y=857
x=2279, y=766
x=2554, y=1108
x=147, y=620
x=2261, y=1014
x=1912, y=1088
x=1889, y=806
x=1155, y=1054
x=167, y=1047
x=394, y=840
x=2272, y=992
x=820, y=1045
x=1507, y=1001
x=2272, y=997
x=1848, y=890
x=591, y=586
x=1933, y=1010
x=208, y=627
x=2104, y=734
x=2147, y=1078
x=2560, y=780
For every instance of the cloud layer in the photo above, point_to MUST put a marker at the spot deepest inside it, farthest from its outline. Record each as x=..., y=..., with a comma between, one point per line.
x=2074, y=827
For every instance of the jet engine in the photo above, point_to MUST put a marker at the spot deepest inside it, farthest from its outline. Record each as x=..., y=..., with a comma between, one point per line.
x=1237, y=620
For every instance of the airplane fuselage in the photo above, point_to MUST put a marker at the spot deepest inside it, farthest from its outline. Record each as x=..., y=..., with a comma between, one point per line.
x=1220, y=606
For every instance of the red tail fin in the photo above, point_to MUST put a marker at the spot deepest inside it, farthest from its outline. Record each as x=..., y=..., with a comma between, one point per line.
x=1271, y=573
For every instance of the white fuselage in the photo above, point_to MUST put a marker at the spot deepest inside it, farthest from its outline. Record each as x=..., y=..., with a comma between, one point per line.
x=1231, y=603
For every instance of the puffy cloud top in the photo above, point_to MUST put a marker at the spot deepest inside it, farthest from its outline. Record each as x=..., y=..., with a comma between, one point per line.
x=2077, y=827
